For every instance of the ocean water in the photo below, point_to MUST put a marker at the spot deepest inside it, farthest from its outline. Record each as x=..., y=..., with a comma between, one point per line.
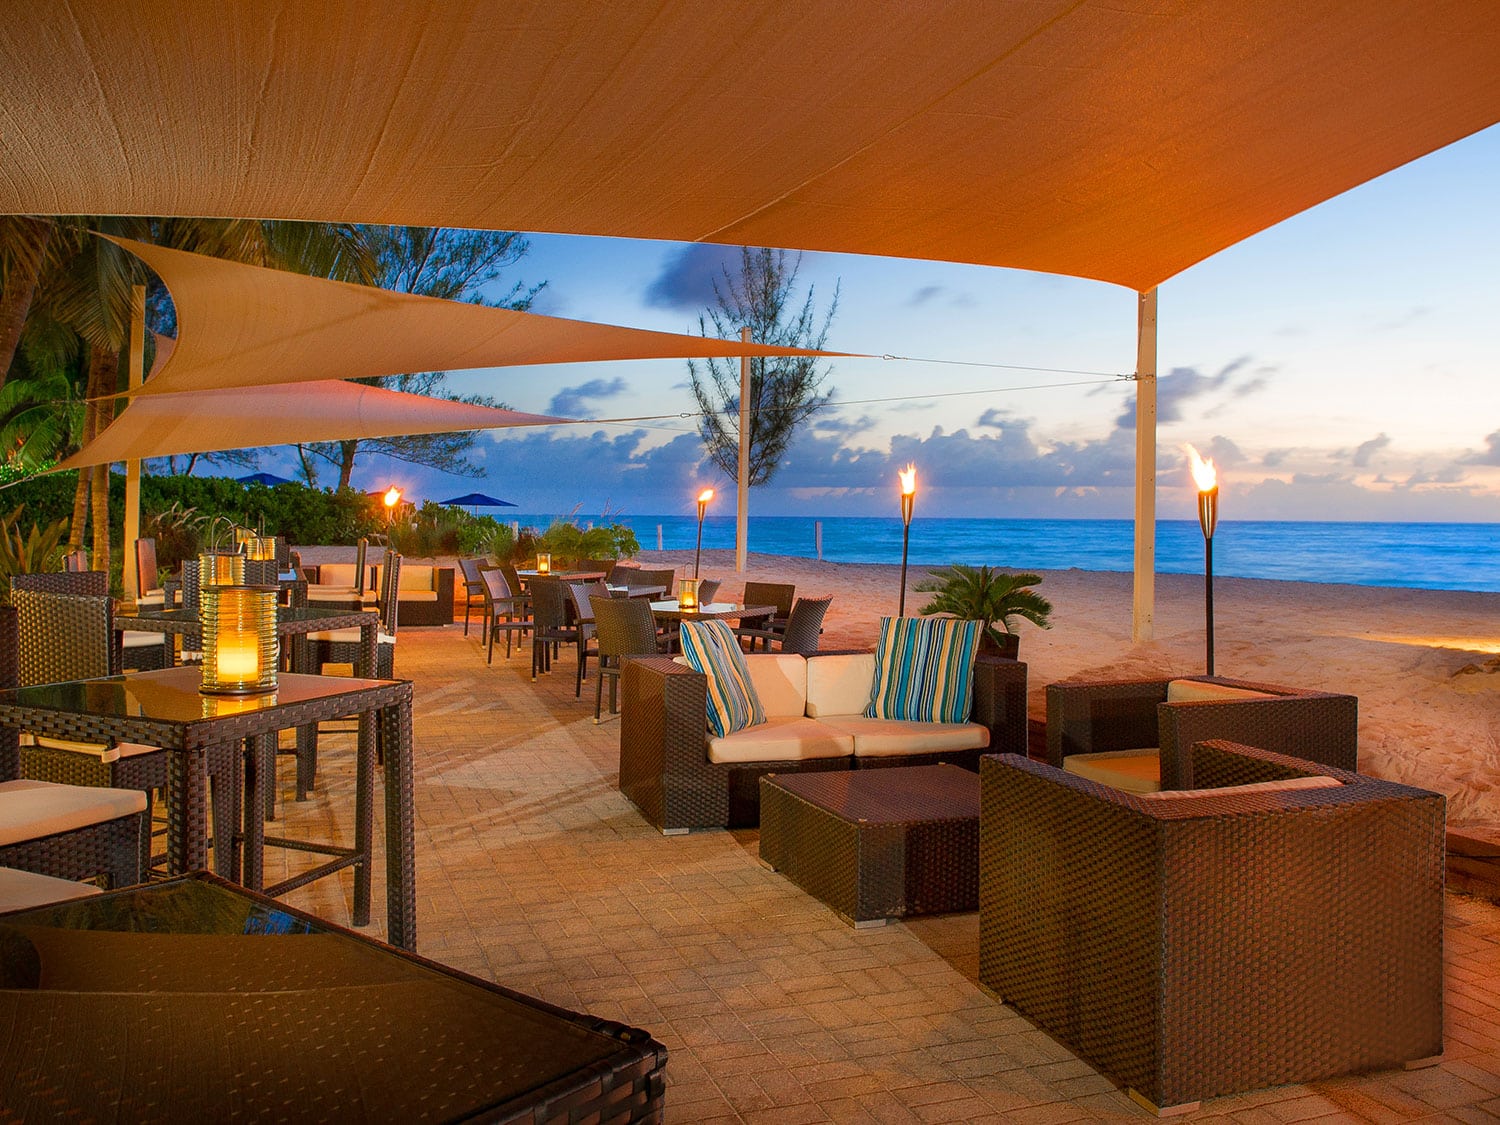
x=1439, y=556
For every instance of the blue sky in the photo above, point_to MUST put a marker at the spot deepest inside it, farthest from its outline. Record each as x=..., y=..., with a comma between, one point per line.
x=1341, y=365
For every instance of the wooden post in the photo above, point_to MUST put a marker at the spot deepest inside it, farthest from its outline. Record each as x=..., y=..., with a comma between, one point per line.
x=742, y=499
x=137, y=376
x=1143, y=609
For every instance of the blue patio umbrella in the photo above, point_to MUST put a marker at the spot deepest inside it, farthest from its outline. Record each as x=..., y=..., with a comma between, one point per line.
x=267, y=479
x=477, y=500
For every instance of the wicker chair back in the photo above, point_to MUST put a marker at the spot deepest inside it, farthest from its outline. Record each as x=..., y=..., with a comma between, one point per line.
x=641, y=577
x=63, y=636
x=84, y=583
x=708, y=590
x=361, y=578
x=626, y=627
x=75, y=561
x=804, y=628
x=548, y=610
x=146, y=580
x=779, y=594
x=586, y=595
x=390, y=592
x=470, y=570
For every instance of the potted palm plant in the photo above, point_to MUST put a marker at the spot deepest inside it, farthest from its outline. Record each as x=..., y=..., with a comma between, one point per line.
x=993, y=597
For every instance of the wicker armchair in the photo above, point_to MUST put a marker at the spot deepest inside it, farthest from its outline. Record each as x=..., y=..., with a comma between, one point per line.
x=1192, y=945
x=801, y=632
x=107, y=836
x=1107, y=717
x=665, y=768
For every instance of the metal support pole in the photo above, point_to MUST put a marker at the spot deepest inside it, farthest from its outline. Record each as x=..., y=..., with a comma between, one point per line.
x=1208, y=598
x=137, y=375
x=742, y=498
x=1143, y=607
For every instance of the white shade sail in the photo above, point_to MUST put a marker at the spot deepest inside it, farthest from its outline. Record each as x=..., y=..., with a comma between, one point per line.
x=245, y=417
x=1123, y=142
x=241, y=325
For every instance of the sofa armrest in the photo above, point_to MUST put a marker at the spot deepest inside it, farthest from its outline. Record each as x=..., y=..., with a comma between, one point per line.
x=664, y=763
x=442, y=582
x=1093, y=716
x=1000, y=702
x=1315, y=726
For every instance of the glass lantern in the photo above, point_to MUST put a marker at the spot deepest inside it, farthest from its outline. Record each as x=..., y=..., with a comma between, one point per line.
x=687, y=595
x=543, y=563
x=240, y=649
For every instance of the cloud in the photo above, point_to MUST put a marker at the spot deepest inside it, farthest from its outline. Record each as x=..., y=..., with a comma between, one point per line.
x=1452, y=474
x=931, y=294
x=1182, y=385
x=572, y=401
x=687, y=281
x=1487, y=456
x=1368, y=449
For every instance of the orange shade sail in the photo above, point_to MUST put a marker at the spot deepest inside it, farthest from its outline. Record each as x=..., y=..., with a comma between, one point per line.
x=248, y=417
x=1123, y=142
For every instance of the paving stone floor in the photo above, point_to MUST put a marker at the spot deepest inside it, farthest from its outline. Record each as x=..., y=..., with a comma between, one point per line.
x=534, y=871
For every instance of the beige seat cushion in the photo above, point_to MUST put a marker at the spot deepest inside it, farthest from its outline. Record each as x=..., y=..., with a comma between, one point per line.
x=33, y=809
x=135, y=638
x=349, y=636
x=1135, y=771
x=1281, y=785
x=1199, y=691
x=839, y=685
x=152, y=598
x=408, y=595
x=780, y=681
x=782, y=740
x=884, y=738
x=24, y=890
x=110, y=754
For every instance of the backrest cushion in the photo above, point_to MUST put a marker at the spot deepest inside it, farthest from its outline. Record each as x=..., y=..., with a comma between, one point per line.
x=924, y=669
x=417, y=578
x=710, y=647
x=1199, y=691
x=336, y=574
x=780, y=681
x=839, y=685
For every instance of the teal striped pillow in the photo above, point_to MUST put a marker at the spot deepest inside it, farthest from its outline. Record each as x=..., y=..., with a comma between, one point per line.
x=924, y=669
x=710, y=647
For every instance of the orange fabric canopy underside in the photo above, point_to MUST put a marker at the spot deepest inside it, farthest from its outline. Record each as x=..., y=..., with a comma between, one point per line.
x=241, y=326
x=247, y=417
x=1123, y=142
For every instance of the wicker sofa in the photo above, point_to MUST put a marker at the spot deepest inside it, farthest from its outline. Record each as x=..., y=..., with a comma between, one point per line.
x=682, y=779
x=1196, y=944
x=425, y=598
x=1105, y=718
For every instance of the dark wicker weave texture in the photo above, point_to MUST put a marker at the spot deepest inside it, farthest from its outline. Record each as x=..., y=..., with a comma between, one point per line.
x=664, y=765
x=876, y=844
x=1086, y=717
x=626, y=627
x=1203, y=946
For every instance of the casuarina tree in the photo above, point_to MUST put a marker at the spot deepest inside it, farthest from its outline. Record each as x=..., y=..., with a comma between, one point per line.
x=784, y=390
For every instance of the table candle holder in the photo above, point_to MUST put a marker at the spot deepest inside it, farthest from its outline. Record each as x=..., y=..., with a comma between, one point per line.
x=687, y=594
x=240, y=650
x=543, y=563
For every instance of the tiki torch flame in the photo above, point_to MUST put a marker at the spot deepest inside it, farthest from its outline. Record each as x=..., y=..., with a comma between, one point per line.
x=908, y=477
x=1204, y=475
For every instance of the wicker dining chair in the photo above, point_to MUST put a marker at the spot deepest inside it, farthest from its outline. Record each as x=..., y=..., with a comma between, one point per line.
x=341, y=646
x=138, y=650
x=550, y=618
x=75, y=561
x=109, y=825
x=767, y=629
x=148, y=586
x=625, y=627
x=708, y=590
x=70, y=637
x=804, y=627
x=473, y=588
x=504, y=612
x=584, y=596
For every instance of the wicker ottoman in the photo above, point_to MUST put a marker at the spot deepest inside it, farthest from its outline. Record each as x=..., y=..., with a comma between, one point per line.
x=876, y=844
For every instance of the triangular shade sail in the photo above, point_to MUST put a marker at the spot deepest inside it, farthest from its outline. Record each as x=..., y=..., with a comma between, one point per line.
x=242, y=326
x=247, y=417
x=1123, y=142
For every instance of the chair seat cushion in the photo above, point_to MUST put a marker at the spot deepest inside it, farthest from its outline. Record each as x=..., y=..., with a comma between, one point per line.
x=782, y=740
x=1199, y=691
x=27, y=890
x=1280, y=785
x=24, y=890
x=30, y=810
x=884, y=738
x=348, y=637
x=104, y=754
x=1135, y=771
x=136, y=638
x=152, y=598
x=409, y=595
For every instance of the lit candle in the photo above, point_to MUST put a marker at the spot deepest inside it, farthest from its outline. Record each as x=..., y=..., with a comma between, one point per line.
x=238, y=657
x=544, y=564
x=687, y=595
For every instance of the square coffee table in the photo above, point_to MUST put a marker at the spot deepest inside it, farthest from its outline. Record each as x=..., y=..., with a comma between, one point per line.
x=876, y=844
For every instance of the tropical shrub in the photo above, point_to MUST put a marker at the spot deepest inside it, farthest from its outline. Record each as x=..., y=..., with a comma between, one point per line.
x=993, y=597
x=34, y=552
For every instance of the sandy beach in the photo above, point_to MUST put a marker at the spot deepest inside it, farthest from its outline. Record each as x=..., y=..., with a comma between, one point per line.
x=1423, y=663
